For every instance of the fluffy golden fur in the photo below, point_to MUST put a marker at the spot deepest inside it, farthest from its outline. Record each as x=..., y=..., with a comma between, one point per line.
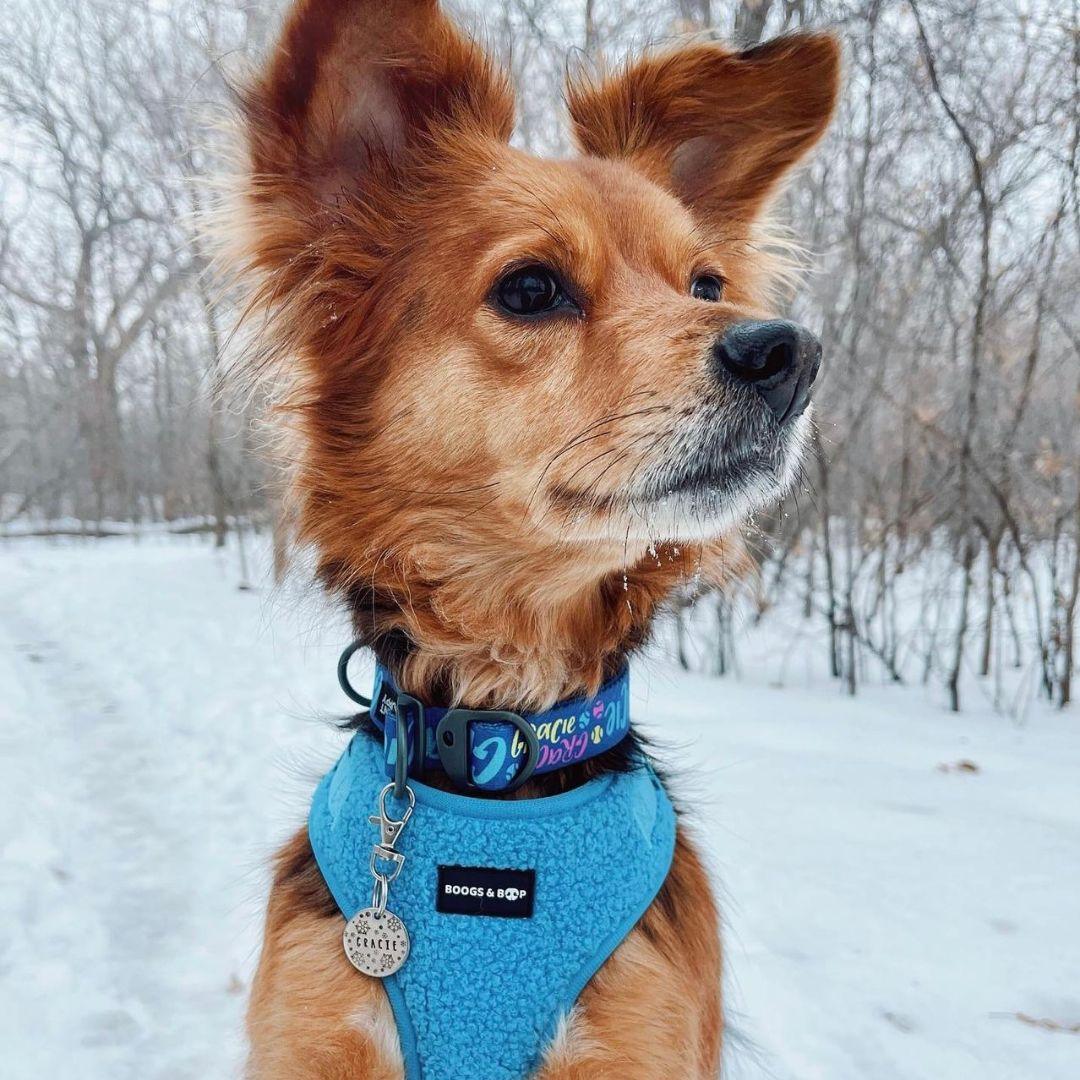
x=487, y=494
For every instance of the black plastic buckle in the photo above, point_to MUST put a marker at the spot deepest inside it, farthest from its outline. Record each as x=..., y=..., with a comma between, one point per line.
x=452, y=742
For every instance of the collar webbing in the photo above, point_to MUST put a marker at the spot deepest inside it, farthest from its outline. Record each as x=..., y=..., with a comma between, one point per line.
x=493, y=750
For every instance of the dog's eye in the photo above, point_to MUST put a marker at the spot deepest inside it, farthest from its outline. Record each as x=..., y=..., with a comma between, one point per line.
x=530, y=290
x=707, y=287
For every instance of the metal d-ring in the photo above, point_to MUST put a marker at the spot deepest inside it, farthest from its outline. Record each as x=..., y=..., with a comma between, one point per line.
x=401, y=760
x=343, y=675
x=404, y=747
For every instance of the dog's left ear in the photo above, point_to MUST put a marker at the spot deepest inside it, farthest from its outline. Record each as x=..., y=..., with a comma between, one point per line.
x=719, y=128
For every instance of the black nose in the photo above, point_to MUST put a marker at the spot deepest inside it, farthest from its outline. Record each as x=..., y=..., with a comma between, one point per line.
x=779, y=359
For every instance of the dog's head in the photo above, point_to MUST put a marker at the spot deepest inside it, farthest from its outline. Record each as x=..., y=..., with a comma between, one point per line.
x=572, y=354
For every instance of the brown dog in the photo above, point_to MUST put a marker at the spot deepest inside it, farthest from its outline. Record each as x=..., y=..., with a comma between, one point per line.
x=530, y=398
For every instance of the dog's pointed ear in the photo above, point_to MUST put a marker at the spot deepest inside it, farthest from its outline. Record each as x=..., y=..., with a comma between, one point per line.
x=721, y=129
x=353, y=87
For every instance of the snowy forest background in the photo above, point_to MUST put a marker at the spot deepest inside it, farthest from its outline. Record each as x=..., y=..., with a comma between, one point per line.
x=898, y=881
x=934, y=539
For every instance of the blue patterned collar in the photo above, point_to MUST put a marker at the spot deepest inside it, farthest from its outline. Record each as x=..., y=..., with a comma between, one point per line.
x=490, y=750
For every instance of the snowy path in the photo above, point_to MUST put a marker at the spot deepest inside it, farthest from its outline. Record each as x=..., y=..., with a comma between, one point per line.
x=138, y=807
x=886, y=920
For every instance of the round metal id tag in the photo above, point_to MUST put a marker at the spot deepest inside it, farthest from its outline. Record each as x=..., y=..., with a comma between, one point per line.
x=376, y=943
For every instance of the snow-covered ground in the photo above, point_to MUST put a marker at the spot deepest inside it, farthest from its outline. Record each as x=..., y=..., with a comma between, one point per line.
x=160, y=731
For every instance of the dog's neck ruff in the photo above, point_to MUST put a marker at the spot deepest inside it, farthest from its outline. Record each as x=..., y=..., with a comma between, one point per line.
x=511, y=905
x=489, y=750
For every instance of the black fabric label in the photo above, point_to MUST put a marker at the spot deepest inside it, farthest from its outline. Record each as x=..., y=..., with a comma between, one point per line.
x=482, y=890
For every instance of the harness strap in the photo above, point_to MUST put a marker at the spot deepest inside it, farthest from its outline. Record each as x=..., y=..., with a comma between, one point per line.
x=491, y=750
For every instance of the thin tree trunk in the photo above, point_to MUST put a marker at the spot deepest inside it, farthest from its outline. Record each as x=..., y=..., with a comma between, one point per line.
x=680, y=637
x=992, y=546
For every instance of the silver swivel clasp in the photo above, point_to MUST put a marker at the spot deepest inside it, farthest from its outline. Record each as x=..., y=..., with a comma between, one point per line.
x=386, y=862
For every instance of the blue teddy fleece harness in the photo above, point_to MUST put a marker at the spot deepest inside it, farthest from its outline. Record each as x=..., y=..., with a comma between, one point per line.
x=512, y=906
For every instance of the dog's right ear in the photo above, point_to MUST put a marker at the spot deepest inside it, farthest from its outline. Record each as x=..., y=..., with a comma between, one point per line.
x=354, y=88
x=720, y=129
